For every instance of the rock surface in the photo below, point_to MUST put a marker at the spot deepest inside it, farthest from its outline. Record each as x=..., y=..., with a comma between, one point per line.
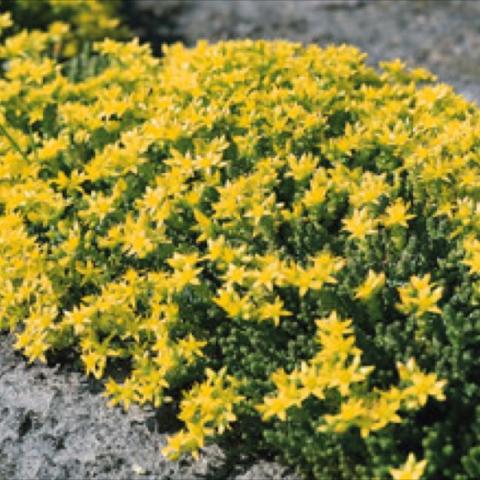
x=54, y=423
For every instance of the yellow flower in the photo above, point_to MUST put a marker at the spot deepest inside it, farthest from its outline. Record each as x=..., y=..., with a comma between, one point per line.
x=191, y=347
x=343, y=377
x=78, y=318
x=410, y=470
x=176, y=445
x=204, y=225
x=370, y=189
x=258, y=210
x=58, y=30
x=136, y=240
x=384, y=411
x=425, y=385
x=472, y=248
x=420, y=385
x=396, y=214
x=235, y=275
x=302, y=167
x=359, y=225
x=334, y=324
x=312, y=381
x=418, y=297
x=5, y=20
x=473, y=262
x=372, y=283
x=36, y=349
x=51, y=148
x=352, y=411
x=99, y=206
x=94, y=363
x=273, y=311
x=288, y=395
x=123, y=393
x=265, y=278
x=231, y=302
x=315, y=195
x=186, y=276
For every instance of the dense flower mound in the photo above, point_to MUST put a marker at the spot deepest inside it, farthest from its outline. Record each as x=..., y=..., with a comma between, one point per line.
x=277, y=240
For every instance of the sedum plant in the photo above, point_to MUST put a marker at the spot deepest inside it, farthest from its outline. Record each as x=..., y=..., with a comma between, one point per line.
x=278, y=240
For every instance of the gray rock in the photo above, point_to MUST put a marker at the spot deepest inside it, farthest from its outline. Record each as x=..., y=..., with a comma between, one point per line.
x=55, y=425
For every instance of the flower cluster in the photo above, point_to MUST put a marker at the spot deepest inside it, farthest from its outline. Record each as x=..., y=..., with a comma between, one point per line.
x=194, y=216
x=71, y=22
x=338, y=366
x=206, y=410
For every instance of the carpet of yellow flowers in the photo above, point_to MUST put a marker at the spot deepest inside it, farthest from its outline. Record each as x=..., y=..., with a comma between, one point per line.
x=137, y=180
